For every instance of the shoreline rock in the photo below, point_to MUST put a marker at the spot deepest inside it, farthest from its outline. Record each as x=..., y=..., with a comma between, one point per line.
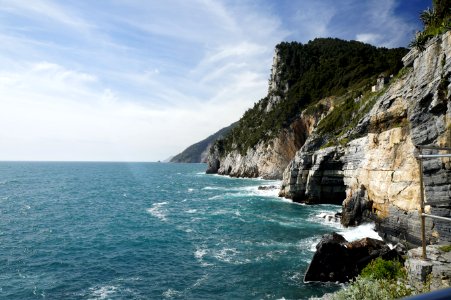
x=337, y=260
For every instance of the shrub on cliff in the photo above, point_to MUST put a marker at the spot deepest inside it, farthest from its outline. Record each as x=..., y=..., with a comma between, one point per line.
x=435, y=21
x=381, y=279
x=384, y=269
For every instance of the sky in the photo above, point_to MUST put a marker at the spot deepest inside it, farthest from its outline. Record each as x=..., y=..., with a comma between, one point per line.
x=141, y=80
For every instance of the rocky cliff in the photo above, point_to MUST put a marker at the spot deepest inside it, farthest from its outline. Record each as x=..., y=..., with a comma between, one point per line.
x=306, y=82
x=267, y=159
x=371, y=164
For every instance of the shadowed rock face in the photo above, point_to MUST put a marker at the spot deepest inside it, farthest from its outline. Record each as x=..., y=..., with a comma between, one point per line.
x=318, y=177
x=376, y=172
x=339, y=260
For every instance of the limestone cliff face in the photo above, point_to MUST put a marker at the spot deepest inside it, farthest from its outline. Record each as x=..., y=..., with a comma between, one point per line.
x=374, y=172
x=267, y=159
x=303, y=78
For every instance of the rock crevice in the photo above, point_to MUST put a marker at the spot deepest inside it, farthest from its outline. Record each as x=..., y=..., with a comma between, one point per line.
x=375, y=172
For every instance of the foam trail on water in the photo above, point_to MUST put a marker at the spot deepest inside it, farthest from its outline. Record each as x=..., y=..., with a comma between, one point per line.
x=103, y=292
x=157, y=210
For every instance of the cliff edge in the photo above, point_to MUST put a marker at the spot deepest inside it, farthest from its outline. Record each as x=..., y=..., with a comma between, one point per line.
x=307, y=81
x=370, y=163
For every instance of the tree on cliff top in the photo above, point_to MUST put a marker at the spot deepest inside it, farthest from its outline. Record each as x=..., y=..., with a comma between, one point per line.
x=436, y=21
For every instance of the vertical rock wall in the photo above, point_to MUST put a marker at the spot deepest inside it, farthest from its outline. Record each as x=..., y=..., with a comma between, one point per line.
x=379, y=170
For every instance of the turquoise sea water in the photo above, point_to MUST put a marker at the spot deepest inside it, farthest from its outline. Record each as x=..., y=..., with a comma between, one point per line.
x=151, y=231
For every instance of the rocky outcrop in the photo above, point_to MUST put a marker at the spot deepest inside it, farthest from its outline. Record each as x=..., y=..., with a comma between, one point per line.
x=315, y=177
x=375, y=172
x=336, y=259
x=302, y=77
x=268, y=159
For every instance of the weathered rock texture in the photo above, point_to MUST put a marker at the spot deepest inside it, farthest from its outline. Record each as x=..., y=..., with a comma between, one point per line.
x=435, y=272
x=268, y=159
x=376, y=174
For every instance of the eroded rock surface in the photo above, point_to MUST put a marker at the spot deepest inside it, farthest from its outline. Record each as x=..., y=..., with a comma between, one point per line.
x=375, y=173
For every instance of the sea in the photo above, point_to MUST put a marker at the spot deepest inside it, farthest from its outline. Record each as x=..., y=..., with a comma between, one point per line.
x=101, y=230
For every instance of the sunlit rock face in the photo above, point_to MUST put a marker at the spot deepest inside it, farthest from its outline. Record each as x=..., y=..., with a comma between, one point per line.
x=376, y=174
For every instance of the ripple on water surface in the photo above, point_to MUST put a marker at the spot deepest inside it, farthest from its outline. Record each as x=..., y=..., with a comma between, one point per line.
x=158, y=231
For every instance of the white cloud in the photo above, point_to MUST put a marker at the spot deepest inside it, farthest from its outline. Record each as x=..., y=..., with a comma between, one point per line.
x=46, y=11
x=135, y=80
x=371, y=38
x=53, y=113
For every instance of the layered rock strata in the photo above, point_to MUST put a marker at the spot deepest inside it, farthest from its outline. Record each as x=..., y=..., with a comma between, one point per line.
x=376, y=174
x=435, y=273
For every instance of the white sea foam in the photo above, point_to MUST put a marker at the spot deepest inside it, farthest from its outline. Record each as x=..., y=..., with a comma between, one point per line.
x=212, y=188
x=309, y=243
x=296, y=277
x=171, y=293
x=103, y=292
x=228, y=255
x=200, y=253
x=190, y=190
x=191, y=211
x=200, y=280
x=286, y=200
x=360, y=232
x=326, y=216
x=158, y=211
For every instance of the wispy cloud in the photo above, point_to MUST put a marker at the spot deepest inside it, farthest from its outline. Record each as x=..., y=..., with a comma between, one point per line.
x=97, y=80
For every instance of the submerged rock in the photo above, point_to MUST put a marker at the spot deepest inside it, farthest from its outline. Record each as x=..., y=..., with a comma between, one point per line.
x=338, y=260
x=267, y=187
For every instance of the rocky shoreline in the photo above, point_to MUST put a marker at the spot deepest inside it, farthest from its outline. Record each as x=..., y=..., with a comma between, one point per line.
x=372, y=171
x=338, y=260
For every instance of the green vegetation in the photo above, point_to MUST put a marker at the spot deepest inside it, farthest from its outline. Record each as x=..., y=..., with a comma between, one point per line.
x=436, y=21
x=312, y=71
x=445, y=248
x=346, y=115
x=384, y=269
x=381, y=279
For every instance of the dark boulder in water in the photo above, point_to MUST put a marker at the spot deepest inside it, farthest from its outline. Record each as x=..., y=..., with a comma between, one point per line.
x=267, y=187
x=338, y=260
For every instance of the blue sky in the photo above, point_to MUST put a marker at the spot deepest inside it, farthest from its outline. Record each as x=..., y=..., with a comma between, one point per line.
x=142, y=80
